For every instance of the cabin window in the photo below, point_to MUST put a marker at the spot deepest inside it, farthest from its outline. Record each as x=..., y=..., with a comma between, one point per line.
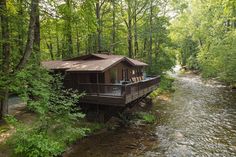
x=96, y=78
x=140, y=72
x=93, y=78
x=133, y=72
x=101, y=78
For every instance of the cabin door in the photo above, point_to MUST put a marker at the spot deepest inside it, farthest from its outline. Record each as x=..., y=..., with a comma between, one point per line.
x=125, y=74
x=113, y=75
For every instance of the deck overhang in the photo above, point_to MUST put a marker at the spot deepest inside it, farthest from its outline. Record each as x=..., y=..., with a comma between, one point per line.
x=117, y=94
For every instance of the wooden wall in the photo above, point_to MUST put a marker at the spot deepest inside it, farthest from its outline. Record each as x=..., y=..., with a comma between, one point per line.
x=119, y=68
x=72, y=79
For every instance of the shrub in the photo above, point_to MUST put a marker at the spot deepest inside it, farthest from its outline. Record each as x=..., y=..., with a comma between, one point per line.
x=166, y=85
x=34, y=144
x=57, y=120
x=147, y=117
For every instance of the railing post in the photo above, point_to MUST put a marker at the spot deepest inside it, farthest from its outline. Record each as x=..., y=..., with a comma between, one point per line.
x=123, y=91
x=97, y=85
x=138, y=88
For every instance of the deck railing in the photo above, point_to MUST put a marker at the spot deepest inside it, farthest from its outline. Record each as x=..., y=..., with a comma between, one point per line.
x=117, y=90
x=100, y=89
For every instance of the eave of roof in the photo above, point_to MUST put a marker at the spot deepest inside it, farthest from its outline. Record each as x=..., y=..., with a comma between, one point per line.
x=97, y=65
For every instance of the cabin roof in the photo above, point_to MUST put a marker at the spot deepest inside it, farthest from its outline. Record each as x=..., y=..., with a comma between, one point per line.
x=91, y=62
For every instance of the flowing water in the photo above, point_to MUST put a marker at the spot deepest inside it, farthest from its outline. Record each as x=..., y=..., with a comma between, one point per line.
x=199, y=120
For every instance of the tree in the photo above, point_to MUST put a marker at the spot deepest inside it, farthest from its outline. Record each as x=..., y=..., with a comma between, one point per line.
x=6, y=71
x=113, y=26
x=68, y=49
x=36, y=46
x=150, y=33
x=133, y=9
x=6, y=56
x=31, y=36
x=204, y=32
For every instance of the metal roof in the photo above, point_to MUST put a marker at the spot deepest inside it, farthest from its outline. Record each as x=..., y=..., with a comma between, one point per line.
x=84, y=63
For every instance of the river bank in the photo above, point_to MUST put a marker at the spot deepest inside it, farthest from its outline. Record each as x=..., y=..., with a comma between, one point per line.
x=199, y=119
x=207, y=80
x=138, y=117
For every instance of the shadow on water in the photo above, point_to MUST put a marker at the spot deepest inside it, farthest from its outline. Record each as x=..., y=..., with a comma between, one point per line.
x=199, y=120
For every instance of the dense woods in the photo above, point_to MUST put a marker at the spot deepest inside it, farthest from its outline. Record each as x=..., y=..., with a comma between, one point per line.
x=200, y=35
x=204, y=33
x=35, y=30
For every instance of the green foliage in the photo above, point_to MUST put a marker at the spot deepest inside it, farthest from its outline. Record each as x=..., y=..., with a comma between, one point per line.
x=57, y=122
x=205, y=37
x=164, y=61
x=93, y=126
x=82, y=18
x=163, y=52
x=220, y=61
x=4, y=128
x=192, y=63
x=166, y=86
x=147, y=117
x=32, y=85
x=33, y=144
x=125, y=118
x=30, y=141
x=166, y=83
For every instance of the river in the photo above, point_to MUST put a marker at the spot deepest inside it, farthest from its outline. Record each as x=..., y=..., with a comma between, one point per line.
x=198, y=120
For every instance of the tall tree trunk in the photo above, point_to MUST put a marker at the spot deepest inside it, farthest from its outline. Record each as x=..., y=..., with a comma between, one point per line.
x=130, y=37
x=50, y=48
x=6, y=56
x=58, y=47
x=77, y=41
x=95, y=41
x=135, y=31
x=70, y=42
x=145, y=44
x=20, y=29
x=49, y=45
x=157, y=48
x=36, y=47
x=29, y=45
x=144, y=47
x=99, y=33
x=150, y=35
x=68, y=31
x=57, y=40
x=64, y=50
x=89, y=44
x=113, y=47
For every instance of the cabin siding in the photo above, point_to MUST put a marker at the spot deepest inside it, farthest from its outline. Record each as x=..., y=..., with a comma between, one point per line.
x=118, y=68
x=101, y=78
x=119, y=72
x=82, y=78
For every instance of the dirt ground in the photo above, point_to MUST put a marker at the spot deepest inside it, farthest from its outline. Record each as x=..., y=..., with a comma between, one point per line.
x=17, y=108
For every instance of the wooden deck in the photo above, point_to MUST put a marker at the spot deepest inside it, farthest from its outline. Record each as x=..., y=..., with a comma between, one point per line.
x=117, y=94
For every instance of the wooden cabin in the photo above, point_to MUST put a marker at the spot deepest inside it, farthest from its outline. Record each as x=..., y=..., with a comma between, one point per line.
x=106, y=79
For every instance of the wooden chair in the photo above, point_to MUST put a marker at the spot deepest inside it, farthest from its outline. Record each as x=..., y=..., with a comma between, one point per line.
x=142, y=77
